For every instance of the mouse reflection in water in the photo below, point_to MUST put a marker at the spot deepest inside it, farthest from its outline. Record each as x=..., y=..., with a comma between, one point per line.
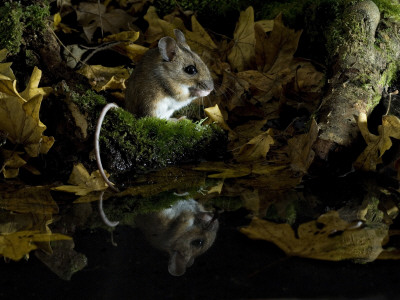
x=185, y=231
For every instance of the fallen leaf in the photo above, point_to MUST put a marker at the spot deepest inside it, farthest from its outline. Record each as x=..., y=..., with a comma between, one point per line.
x=376, y=144
x=242, y=55
x=215, y=115
x=224, y=170
x=157, y=27
x=257, y=148
x=16, y=245
x=93, y=15
x=300, y=149
x=12, y=163
x=26, y=199
x=81, y=183
x=103, y=78
x=19, y=114
x=279, y=47
x=327, y=238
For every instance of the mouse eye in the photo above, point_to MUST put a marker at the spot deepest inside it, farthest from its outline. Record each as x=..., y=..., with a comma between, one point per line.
x=191, y=70
x=197, y=243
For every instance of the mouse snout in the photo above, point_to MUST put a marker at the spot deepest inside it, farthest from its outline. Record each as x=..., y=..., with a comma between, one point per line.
x=205, y=88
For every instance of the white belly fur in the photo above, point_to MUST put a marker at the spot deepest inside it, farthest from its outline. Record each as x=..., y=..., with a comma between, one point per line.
x=167, y=105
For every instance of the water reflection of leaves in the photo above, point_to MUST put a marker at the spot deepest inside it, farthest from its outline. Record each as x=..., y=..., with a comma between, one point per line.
x=25, y=222
x=88, y=187
x=18, y=244
x=327, y=238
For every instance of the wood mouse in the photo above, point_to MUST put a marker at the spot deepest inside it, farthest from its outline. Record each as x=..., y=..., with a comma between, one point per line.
x=166, y=79
x=185, y=231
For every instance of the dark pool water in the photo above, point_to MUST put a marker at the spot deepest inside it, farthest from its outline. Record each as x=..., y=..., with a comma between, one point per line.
x=235, y=267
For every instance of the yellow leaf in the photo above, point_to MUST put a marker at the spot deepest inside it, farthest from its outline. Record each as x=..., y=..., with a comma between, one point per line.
x=82, y=183
x=327, y=238
x=32, y=200
x=242, y=55
x=16, y=245
x=19, y=115
x=102, y=78
x=224, y=170
x=130, y=36
x=3, y=54
x=257, y=148
x=214, y=113
x=376, y=144
x=217, y=188
x=157, y=27
x=12, y=163
x=266, y=25
x=57, y=19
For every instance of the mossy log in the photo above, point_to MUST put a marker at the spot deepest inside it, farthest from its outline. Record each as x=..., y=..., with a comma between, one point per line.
x=366, y=60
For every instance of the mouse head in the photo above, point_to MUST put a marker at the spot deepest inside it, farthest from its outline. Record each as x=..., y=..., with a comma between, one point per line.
x=184, y=66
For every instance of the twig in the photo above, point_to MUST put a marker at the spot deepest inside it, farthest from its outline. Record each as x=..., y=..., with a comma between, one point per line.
x=396, y=92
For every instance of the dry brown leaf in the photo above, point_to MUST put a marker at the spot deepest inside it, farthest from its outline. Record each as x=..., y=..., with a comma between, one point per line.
x=93, y=15
x=103, y=78
x=19, y=114
x=32, y=200
x=215, y=115
x=242, y=55
x=257, y=148
x=300, y=149
x=224, y=170
x=279, y=47
x=16, y=245
x=82, y=183
x=328, y=238
x=376, y=144
x=157, y=27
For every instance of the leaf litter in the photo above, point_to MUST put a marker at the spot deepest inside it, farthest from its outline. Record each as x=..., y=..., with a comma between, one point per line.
x=256, y=74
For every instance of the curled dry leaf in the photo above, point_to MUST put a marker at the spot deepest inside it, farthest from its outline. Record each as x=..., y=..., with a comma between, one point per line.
x=376, y=144
x=82, y=183
x=103, y=78
x=19, y=112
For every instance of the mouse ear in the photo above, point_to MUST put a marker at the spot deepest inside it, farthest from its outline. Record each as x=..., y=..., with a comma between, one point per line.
x=181, y=38
x=167, y=46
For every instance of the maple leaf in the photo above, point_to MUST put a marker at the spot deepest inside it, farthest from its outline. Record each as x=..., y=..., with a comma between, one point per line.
x=242, y=55
x=317, y=239
x=256, y=148
x=19, y=112
x=279, y=47
x=93, y=15
x=18, y=244
x=376, y=144
x=83, y=183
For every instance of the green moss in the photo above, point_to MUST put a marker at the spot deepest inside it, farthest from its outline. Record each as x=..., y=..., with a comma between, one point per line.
x=147, y=143
x=389, y=8
x=18, y=20
x=199, y=6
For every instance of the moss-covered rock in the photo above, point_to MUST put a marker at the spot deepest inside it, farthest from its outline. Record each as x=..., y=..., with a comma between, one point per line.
x=19, y=21
x=139, y=145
